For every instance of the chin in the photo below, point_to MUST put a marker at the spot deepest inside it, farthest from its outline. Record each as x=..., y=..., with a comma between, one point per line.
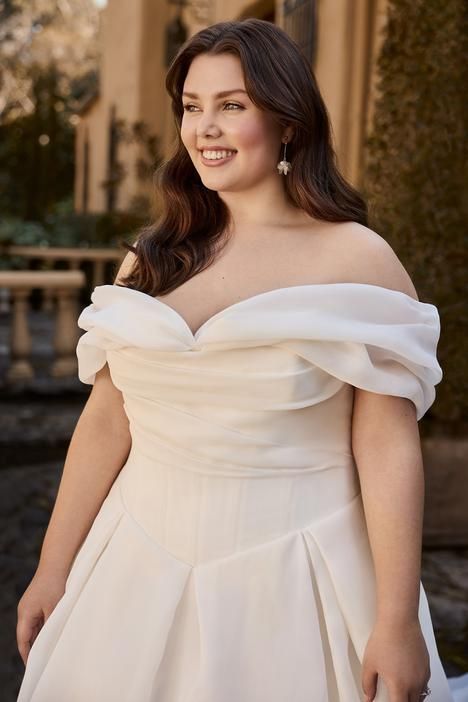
x=215, y=184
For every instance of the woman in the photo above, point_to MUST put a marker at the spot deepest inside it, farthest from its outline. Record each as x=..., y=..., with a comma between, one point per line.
x=240, y=511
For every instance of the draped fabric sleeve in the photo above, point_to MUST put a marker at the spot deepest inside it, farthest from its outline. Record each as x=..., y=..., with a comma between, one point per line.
x=119, y=317
x=91, y=347
x=106, y=327
x=384, y=342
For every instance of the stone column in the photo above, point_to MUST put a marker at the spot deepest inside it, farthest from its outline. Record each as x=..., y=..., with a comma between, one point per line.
x=20, y=339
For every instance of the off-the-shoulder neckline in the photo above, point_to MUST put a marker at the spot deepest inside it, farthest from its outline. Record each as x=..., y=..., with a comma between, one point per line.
x=252, y=298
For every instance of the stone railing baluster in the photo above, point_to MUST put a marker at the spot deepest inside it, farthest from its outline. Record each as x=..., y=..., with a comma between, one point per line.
x=65, y=285
x=20, y=337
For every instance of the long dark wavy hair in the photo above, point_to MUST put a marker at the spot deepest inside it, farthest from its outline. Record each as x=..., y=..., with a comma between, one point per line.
x=193, y=220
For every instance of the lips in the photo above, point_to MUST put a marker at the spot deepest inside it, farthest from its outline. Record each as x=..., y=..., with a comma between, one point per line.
x=217, y=161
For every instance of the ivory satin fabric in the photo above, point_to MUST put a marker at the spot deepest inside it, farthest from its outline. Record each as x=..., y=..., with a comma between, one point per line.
x=230, y=561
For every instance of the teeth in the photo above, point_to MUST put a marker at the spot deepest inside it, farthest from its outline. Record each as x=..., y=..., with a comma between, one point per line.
x=215, y=155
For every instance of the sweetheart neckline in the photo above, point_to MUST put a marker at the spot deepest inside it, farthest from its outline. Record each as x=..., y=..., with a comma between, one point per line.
x=196, y=335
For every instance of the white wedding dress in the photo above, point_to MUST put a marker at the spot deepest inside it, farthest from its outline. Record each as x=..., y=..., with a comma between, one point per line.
x=230, y=561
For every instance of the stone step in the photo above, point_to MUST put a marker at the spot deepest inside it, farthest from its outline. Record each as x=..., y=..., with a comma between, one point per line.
x=37, y=428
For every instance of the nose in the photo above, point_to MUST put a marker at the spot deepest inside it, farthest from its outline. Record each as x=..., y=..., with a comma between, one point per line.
x=207, y=125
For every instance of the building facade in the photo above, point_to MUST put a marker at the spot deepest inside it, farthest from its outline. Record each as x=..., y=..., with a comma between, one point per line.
x=341, y=38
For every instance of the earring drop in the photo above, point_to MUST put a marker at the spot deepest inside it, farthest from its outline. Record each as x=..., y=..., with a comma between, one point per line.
x=284, y=166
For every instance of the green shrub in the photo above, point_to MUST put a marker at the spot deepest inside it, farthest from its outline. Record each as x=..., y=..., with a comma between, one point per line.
x=417, y=171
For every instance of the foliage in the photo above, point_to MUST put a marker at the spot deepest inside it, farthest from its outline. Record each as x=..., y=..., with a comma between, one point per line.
x=417, y=170
x=35, y=34
x=66, y=228
x=15, y=230
x=36, y=152
x=49, y=56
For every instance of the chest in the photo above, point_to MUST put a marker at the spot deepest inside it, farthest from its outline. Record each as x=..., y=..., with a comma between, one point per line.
x=247, y=272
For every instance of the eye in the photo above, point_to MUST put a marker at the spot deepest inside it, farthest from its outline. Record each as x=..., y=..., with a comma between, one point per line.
x=187, y=106
x=235, y=105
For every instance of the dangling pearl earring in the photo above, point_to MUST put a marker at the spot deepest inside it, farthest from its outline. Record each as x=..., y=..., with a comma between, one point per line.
x=284, y=166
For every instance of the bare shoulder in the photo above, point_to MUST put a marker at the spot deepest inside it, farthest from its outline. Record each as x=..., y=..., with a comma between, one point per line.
x=125, y=267
x=366, y=257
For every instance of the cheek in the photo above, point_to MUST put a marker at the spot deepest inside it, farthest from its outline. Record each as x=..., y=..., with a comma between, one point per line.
x=187, y=134
x=184, y=134
x=251, y=136
x=258, y=139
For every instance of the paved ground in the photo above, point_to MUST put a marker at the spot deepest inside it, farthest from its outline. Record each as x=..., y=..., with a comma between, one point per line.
x=36, y=423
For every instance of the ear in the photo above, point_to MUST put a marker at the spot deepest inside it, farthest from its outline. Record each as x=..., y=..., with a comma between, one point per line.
x=288, y=133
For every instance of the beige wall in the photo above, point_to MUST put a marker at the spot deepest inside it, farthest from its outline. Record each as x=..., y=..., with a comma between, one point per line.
x=153, y=103
x=133, y=72
x=121, y=72
x=349, y=37
x=92, y=124
x=120, y=84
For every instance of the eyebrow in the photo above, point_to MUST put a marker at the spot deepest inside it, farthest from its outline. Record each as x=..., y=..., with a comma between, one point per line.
x=218, y=95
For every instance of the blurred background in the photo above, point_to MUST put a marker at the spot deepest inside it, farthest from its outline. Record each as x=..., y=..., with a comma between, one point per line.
x=84, y=122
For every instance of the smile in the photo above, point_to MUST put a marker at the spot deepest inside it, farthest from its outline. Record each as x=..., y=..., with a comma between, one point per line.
x=216, y=158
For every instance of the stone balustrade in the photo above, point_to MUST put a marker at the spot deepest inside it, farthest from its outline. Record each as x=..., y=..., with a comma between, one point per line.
x=64, y=287
x=73, y=258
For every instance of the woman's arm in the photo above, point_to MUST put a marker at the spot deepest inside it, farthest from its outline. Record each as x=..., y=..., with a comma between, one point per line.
x=387, y=450
x=386, y=447
x=97, y=452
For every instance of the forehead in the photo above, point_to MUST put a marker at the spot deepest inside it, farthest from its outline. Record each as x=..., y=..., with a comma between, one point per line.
x=209, y=74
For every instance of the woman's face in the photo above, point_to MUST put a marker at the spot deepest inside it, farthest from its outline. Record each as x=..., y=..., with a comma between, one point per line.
x=227, y=122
